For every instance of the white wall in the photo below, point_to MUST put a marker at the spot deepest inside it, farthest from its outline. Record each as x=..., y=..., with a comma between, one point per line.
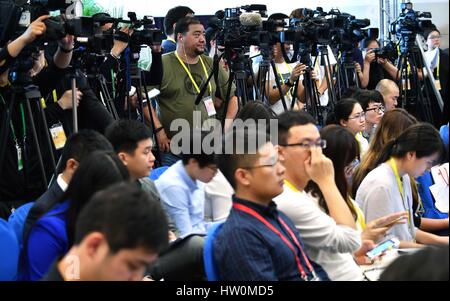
x=360, y=8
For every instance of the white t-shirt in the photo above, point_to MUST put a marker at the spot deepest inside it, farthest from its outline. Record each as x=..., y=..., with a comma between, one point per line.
x=218, y=195
x=284, y=71
x=319, y=67
x=326, y=243
x=378, y=195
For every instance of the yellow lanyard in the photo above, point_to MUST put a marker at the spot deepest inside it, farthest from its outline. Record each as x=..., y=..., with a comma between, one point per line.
x=190, y=75
x=281, y=75
x=291, y=186
x=400, y=187
x=438, y=63
x=397, y=176
x=172, y=40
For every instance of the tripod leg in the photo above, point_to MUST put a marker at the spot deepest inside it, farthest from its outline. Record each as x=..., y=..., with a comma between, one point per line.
x=47, y=137
x=5, y=130
x=74, y=105
x=277, y=81
x=36, y=143
x=152, y=123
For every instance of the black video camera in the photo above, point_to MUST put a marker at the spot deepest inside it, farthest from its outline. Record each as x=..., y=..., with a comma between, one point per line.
x=149, y=35
x=242, y=27
x=408, y=24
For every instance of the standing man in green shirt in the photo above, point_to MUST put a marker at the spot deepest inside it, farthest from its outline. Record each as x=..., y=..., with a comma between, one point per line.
x=185, y=71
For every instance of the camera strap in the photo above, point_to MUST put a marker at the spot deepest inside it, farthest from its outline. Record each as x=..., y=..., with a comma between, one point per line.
x=20, y=154
x=190, y=75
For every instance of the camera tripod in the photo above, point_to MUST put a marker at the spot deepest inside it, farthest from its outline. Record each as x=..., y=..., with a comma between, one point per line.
x=313, y=105
x=23, y=93
x=346, y=74
x=414, y=93
x=134, y=75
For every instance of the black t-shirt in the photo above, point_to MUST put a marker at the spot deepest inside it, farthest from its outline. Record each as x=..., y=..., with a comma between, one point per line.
x=377, y=73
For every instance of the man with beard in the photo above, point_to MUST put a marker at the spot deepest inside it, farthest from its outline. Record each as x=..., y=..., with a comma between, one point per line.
x=185, y=71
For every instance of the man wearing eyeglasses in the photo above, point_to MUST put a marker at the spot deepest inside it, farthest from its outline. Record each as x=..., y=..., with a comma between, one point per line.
x=300, y=149
x=372, y=103
x=438, y=61
x=258, y=242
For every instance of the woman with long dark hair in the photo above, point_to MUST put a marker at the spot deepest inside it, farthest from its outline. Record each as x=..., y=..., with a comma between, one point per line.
x=387, y=188
x=53, y=234
x=343, y=150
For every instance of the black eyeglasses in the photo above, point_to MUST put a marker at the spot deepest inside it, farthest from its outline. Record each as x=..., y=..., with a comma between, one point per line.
x=309, y=144
x=378, y=109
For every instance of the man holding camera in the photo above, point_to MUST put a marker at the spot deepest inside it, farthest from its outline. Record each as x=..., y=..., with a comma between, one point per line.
x=185, y=71
x=20, y=176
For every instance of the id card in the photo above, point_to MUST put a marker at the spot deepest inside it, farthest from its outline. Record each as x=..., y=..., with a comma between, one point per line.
x=58, y=136
x=437, y=83
x=209, y=105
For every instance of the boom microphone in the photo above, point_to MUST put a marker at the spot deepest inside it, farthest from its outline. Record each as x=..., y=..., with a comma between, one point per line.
x=250, y=19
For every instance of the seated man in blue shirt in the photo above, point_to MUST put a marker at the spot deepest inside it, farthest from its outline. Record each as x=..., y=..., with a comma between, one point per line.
x=182, y=189
x=258, y=242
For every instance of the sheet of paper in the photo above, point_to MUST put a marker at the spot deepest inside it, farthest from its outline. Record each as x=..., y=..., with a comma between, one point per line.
x=440, y=174
x=440, y=193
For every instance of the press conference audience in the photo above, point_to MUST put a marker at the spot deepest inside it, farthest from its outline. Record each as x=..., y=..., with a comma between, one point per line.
x=257, y=238
x=306, y=203
x=329, y=239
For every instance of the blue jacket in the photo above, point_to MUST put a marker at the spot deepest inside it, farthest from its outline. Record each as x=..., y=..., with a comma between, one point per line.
x=47, y=241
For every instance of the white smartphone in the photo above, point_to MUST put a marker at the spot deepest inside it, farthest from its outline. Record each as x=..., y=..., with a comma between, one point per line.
x=382, y=247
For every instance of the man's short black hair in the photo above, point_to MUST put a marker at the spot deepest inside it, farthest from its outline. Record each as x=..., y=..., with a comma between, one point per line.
x=366, y=97
x=125, y=135
x=173, y=15
x=239, y=151
x=183, y=25
x=127, y=216
x=81, y=144
x=289, y=119
x=204, y=159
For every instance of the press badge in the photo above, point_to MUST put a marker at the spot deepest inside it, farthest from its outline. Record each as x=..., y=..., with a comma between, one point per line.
x=58, y=136
x=209, y=105
x=437, y=83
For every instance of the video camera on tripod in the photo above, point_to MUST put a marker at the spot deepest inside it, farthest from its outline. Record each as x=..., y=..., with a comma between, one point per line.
x=408, y=24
